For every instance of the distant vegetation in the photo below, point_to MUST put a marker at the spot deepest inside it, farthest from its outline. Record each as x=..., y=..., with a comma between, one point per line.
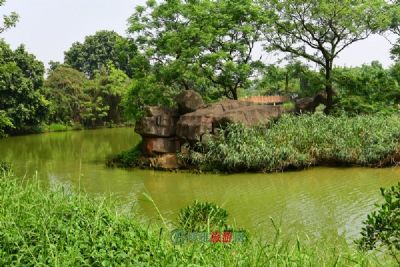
x=207, y=46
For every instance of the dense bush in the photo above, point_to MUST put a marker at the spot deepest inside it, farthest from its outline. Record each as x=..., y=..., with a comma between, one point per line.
x=382, y=228
x=368, y=89
x=301, y=141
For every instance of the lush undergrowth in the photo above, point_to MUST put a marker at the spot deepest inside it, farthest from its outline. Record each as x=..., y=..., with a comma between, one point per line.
x=301, y=141
x=39, y=227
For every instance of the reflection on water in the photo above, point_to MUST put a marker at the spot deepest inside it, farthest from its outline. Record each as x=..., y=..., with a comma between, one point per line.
x=319, y=202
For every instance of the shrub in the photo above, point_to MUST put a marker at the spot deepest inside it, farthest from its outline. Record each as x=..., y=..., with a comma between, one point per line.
x=382, y=227
x=202, y=216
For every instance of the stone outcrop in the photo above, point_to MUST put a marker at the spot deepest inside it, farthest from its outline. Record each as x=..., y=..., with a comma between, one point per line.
x=164, y=130
x=158, y=122
x=189, y=101
x=193, y=126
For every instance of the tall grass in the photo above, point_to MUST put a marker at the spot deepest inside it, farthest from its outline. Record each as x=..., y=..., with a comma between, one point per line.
x=39, y=227
x=301, y=141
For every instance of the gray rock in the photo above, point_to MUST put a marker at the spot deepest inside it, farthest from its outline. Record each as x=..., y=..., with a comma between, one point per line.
x=189, y=101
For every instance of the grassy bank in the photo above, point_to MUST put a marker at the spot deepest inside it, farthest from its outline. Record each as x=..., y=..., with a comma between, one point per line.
x=58, y=228
x=301, y=141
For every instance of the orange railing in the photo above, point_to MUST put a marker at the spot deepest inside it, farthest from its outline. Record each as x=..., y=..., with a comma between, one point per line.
x=273, y=99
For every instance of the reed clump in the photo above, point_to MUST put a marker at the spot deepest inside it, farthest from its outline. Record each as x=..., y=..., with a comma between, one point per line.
x=295, y=142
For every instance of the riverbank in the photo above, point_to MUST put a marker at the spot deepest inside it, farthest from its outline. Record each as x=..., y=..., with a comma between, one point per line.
x=57, y=127
x=60, y=228
x=292, y=142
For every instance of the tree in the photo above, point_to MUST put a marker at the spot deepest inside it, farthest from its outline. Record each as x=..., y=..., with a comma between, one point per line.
x=9, y=21
x=65, y=88
x=200, y=45
x=107, y=89
x=21, y=77
x=394, y=27
x=320, y=30
x=293, y=79
x=100, y=49
x=368, y=89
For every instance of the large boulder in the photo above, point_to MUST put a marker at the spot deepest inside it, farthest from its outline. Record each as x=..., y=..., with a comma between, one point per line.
x=158, y=122
x=189, y=101
x=152, y=146
x=193, y=126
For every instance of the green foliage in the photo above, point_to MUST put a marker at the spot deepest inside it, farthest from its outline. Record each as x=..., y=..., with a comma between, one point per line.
x=9, y=21
x=5, y=168
x=301, y=141
x=65, y=88
x=293, y=79
x=5, y=123
x=101, y=49
x=200, y=45
x=368, y=89
x=126, y=159
x=78, y=100
x=21, y=77
x=319, y=31
x=147, y=92
x=42, y=227
x=202, y=216
x=382, y=228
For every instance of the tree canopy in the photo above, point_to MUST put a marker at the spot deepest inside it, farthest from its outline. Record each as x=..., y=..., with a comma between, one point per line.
x=21, y=77
x=202, y=45
x=9, y=21
x=100, y=49
x=320, y=30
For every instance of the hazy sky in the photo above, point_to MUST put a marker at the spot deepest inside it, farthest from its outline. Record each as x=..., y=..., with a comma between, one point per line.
x=49, y=27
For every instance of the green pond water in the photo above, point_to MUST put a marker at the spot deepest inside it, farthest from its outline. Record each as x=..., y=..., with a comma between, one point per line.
x=319, y=202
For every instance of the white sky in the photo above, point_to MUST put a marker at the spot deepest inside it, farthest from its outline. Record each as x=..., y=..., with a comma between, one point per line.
x=49, y=27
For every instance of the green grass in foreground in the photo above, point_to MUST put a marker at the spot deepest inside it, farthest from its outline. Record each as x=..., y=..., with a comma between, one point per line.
x=57, y=228
x=302, y=141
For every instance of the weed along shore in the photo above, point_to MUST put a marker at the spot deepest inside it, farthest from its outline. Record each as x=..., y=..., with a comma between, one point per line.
x=56, y=227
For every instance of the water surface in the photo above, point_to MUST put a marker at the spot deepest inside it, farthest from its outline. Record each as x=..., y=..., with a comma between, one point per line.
x=319, y=202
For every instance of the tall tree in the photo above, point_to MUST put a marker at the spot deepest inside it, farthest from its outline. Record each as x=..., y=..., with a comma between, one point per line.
x=8, y=20
x=100, y=49
x=21, y=77
x=394, y=27
x=200, y=44
x=64, y=87
x=319, y=30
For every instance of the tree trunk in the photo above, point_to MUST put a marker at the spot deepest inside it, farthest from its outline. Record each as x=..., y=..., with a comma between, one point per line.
x=328, y=87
